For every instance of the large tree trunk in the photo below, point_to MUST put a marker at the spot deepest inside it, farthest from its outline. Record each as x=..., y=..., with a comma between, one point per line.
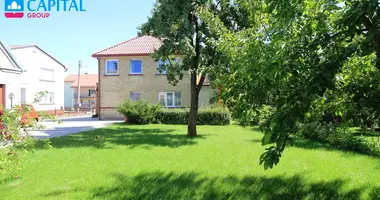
x=192, y=123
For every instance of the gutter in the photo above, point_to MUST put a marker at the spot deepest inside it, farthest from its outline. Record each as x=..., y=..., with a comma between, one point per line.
x=11, y=70
x=98, y=93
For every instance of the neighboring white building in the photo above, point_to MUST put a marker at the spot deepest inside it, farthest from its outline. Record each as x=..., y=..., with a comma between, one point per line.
x=10, y=74
x=41, y=73
x=87, y=91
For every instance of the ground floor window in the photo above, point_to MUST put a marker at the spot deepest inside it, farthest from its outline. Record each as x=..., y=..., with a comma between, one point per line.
x=135, y=96
x=48, y=98
x=170, y=99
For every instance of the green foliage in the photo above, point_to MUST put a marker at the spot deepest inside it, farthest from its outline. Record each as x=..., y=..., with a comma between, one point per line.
x=184, y=34
x=306, y=59
x=206, y=116
x=15, y=127
x=138, y=112
x=253, y=117
x=172, y=116
x=341, y=137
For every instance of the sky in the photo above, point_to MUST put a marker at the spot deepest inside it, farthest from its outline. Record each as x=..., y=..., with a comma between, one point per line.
x=73, y=36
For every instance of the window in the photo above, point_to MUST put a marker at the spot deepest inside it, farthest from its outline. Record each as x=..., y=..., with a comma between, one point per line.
x=46, y=75
x=170, y=99
x=91, y=92
x=135, y=96
x=160, y=67
x=48, y=98
x=112, y=67
x=136, y=67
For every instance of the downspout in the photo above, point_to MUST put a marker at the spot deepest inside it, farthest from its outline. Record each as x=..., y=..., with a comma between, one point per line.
x=98, y=93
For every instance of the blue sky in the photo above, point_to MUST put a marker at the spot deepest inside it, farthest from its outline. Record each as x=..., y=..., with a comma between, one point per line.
x=73, y=36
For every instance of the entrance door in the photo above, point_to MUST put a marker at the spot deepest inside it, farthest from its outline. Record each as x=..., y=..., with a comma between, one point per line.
x=2, y=95
x=23, y=95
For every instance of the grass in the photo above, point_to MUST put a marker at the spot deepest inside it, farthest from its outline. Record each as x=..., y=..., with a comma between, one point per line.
x=159, y=162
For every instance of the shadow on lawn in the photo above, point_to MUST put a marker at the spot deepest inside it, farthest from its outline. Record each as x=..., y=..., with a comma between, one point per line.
x=132, y=136
x=160, y=185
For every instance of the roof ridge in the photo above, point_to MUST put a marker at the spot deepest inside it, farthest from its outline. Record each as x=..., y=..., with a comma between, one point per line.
x=117, y=45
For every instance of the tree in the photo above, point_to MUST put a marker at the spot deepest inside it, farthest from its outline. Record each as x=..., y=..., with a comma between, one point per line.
x=178, y=24
x=299, y=53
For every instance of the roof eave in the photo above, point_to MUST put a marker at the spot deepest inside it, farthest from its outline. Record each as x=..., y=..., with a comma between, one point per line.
x=29, y=46
x=113, y=55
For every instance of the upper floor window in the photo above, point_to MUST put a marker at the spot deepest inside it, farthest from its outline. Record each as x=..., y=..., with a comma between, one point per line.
x=46, y=75
x=136, y=67
x=161, y=68
x=112, y=67
x=161, y=64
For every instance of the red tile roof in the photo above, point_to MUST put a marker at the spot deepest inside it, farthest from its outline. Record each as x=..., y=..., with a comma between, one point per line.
x=14, y=47
x=86, y=80
x=71, y=78
x=137, y=46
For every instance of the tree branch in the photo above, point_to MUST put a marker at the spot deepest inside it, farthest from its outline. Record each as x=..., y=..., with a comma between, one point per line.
x=200, y=84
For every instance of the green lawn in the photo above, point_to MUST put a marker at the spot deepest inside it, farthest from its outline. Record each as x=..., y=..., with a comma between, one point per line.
x=159, y=162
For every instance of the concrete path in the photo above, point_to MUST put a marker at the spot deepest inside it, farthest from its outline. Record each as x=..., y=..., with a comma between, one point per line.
x=70, y=126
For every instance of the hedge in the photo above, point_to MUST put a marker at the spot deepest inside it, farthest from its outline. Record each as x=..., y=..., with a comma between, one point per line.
x=206, y=116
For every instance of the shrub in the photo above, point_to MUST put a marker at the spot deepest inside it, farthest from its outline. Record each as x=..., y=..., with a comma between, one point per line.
x=138, y=112
x=214, y=116
x=172, y=116
x=206, y=116
x=341, y=137
x=253, y=117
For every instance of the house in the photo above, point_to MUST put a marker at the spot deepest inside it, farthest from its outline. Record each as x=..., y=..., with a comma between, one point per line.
x=127, y=70
x=41, y=73
x=10, y=74
x=87, y=94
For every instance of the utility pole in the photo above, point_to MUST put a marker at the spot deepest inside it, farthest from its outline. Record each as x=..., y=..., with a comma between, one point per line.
x=79, y=66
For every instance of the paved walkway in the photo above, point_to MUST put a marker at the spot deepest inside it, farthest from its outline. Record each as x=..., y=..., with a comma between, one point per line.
x=70, y=126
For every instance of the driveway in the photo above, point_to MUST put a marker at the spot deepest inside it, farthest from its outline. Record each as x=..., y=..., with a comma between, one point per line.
x=70, y=126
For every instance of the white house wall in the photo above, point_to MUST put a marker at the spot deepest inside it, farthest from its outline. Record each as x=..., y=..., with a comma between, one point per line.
x=11, y=82
x=69, y=95
x=32, y=60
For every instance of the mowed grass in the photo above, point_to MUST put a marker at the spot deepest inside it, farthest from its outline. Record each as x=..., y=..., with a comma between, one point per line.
x=159, y=162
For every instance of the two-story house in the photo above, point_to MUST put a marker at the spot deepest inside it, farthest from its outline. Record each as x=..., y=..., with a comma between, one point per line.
x=10, y=74
x=127, y=70
x=41, y=73
x=86, y=91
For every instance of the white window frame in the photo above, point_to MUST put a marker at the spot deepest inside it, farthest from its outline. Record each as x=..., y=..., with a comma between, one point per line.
x=130, y=95
x=50, y=96
x=118, y=67
x=130, y=66
x=166, y=99
x=159, y=66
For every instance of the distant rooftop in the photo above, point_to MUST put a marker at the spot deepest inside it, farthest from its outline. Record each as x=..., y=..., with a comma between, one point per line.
x=86, y=80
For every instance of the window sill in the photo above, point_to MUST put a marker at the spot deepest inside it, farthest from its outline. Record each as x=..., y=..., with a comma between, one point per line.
x=111, y=74
x=135, y=74
x=46, y=81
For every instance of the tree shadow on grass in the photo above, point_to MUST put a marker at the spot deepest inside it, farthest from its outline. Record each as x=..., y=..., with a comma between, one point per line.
x=131, y=136
x=159, y=185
